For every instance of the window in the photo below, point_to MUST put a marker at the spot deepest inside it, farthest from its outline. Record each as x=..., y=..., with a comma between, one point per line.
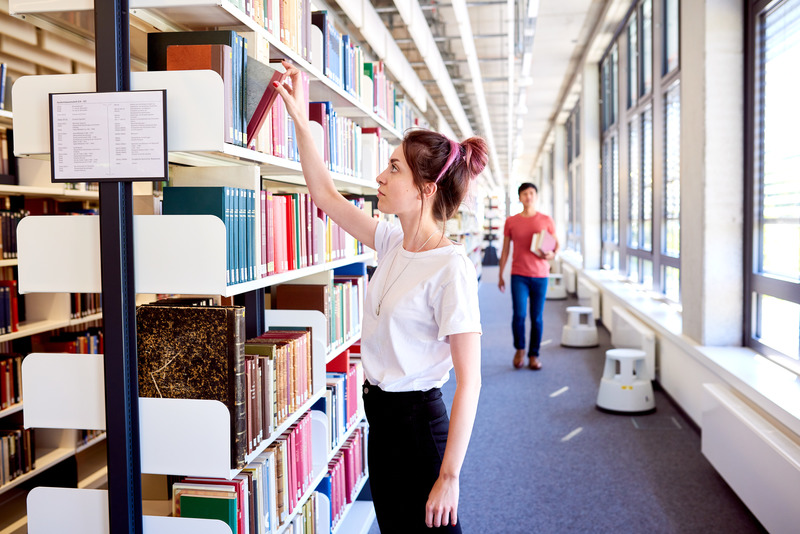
x=633, y=62
x=641, y=215
x=646, y=56
x=610, y=162
x=671, y=36
x=672, y=172
x=573, y=180
x=773, y=293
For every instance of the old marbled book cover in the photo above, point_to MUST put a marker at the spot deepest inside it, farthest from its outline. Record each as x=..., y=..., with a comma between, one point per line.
x=195, y=352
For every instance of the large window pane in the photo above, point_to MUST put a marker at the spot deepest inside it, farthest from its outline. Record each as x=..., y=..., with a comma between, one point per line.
x=633, y=62
x=634, y=181
x=672, y=172
x=780, y=325
x=614, y=92
x=672, y=283
x=647, y=180
x=671, y=35
x=775, y=311
x=615, y=186
x=646, y=59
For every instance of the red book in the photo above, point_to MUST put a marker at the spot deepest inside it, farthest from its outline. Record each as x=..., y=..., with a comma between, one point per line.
x=263, y=270
x=265, y=104
x=340, y=364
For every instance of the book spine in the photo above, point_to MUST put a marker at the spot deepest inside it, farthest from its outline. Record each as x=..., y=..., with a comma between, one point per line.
x=236, y=327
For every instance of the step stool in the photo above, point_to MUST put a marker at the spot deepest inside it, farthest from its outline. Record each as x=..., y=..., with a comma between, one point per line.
x=625, y=387
x=556, y=290
x=580, y=330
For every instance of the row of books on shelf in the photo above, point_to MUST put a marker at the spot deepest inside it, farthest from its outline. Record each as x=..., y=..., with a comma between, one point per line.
x=224, y=52
x=279, y=363
x=345, y=472
x=16, y=453
x=269, y=491
x=10, y=380
x=85, y=304
x=263, y=495
x=9, y=307
x=85, y=436
x=70, y=340
x=200, y=352
x=9, y=220
x=342, y=398
x=338, y=295
x=293, y=232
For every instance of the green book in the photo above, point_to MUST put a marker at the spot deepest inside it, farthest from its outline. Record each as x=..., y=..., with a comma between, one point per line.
x=207, y=507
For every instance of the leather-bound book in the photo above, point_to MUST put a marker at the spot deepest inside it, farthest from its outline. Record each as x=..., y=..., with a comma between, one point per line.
x=195, y=352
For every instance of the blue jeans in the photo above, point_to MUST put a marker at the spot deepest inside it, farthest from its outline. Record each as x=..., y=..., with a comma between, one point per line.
x=523, y=287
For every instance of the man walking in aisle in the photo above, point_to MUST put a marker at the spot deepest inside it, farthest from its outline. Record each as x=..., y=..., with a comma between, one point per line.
x=533, y=236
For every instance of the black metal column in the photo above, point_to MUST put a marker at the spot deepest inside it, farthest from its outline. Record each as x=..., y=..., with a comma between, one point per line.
x=112, y=55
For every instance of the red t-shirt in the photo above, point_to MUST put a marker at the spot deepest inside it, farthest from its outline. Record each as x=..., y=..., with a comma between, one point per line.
x=520, y=230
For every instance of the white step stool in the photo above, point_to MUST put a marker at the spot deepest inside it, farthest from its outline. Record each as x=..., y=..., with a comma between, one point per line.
x=580, y=330
x=629, y=390
x=556, y=290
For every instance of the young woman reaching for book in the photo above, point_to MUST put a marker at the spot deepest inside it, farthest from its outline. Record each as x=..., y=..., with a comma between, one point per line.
x=421, y=319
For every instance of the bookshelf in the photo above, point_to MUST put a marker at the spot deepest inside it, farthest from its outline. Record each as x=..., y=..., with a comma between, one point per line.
x=174, y=254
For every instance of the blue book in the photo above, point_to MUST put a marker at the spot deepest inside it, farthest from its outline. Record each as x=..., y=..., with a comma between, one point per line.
x=251, y=233
x=242, y=234
x=198, y=201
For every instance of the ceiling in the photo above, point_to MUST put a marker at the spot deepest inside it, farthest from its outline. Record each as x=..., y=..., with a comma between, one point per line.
x=520, y=102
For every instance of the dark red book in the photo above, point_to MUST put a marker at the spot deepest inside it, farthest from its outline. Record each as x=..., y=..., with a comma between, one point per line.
x=264, y=105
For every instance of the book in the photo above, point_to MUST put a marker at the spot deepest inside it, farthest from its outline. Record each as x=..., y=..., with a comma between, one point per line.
x=264, y=106
x=543, y=241
x=195, y=352
x=216, y=57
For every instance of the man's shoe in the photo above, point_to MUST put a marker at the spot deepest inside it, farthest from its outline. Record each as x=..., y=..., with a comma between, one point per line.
x=519, y=359
x=534, y=363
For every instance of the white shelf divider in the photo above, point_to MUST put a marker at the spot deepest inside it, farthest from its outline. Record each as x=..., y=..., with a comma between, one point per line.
x=85, y=511
x=195, y=114
x=64, y=391
x=172, y=254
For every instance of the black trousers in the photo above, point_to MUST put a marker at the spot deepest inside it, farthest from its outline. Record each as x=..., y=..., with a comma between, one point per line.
x=407, y=437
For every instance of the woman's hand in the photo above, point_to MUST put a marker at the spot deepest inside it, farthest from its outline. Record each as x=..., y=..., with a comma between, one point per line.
x=442, y=506
x=293, y=93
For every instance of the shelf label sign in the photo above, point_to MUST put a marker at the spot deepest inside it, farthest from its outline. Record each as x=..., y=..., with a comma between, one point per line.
x=119, y=136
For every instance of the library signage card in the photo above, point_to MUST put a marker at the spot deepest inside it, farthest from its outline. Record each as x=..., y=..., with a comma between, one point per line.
x=119, y=136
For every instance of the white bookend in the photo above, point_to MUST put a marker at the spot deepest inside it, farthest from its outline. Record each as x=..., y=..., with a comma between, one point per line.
x=64, y=391
x=85, y=511
x=317, y=53
x=172, y=254
x=318, y=135
x=59, y=254
x=367, y=92
x=194, y=108
x=185, y=437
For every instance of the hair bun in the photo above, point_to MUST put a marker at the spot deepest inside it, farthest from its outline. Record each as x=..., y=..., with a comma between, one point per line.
x=476, y=155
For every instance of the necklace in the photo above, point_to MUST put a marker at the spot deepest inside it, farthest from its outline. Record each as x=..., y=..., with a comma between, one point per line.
x=391, y=266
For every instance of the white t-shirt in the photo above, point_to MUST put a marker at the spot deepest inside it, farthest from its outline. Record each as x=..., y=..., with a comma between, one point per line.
x=431, y=295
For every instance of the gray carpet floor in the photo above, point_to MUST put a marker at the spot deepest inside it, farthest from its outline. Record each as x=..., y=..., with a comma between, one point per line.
x=543, y=459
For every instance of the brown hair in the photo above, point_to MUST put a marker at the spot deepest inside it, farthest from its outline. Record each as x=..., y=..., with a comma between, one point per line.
x=433, y=158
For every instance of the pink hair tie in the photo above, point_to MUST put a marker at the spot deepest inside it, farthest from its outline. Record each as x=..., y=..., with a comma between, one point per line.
x=455, y=150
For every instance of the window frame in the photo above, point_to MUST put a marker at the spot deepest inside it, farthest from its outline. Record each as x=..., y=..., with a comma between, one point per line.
x=756, y=283
x=632, y=108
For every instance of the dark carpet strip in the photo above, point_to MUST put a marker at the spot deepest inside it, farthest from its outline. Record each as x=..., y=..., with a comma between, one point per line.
x=543, y=459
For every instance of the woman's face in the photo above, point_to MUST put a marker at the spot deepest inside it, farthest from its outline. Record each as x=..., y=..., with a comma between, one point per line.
x=397, y=193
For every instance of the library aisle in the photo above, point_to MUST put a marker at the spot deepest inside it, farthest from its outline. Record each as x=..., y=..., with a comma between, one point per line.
x=543, y=459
